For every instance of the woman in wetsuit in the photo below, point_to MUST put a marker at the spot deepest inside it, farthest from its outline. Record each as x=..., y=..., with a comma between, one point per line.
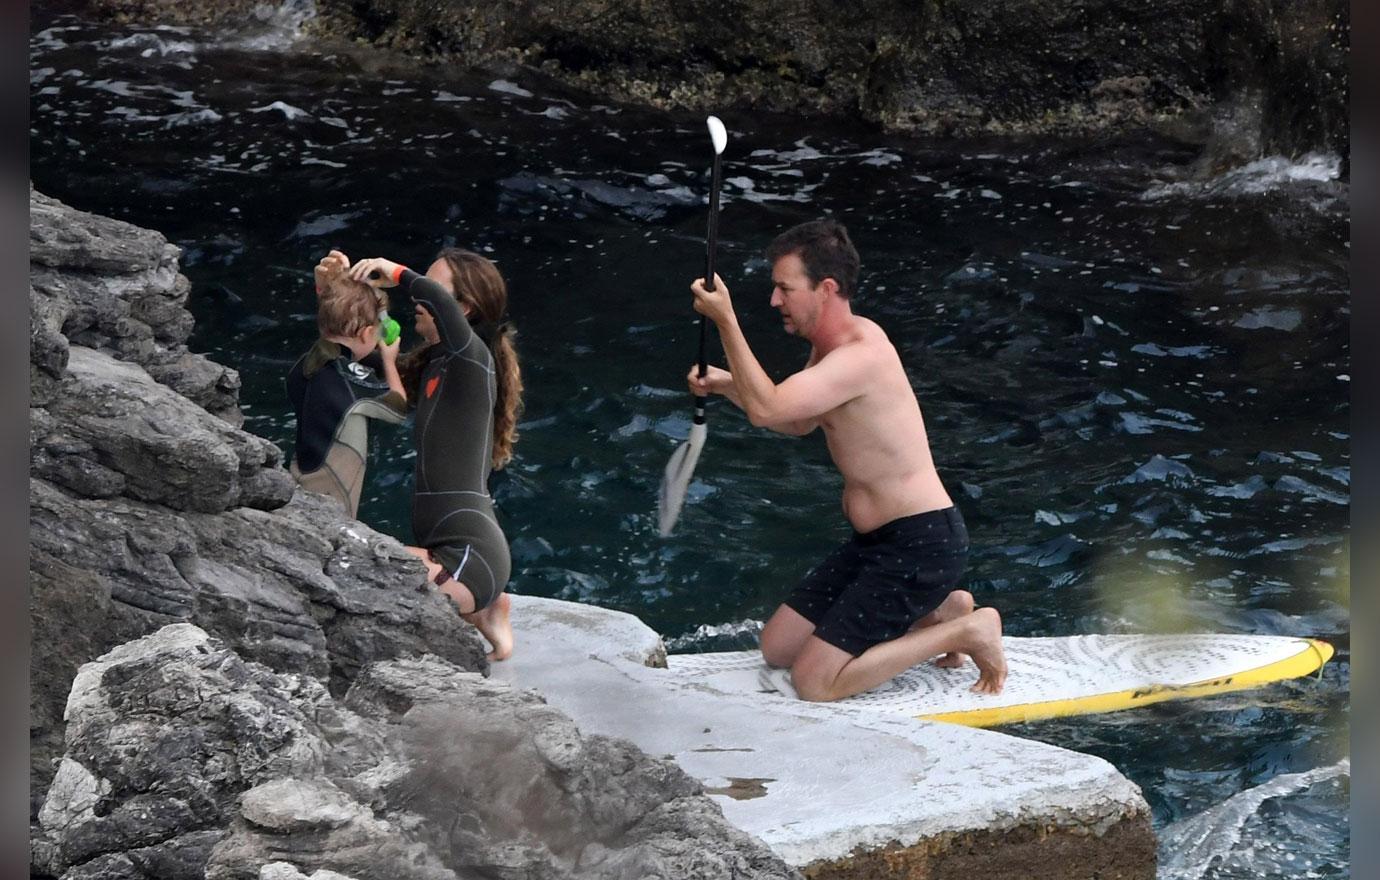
x=467, y=388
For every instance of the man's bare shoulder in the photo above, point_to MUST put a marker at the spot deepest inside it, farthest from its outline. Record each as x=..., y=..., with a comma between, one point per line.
x=856, y=363
x=872, y=341
x=860, y=350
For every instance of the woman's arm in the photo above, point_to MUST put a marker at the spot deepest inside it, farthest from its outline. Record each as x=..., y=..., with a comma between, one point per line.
x=451, y=324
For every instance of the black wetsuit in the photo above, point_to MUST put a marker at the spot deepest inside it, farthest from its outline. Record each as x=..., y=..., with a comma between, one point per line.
x=452, y=513
x=333, y=395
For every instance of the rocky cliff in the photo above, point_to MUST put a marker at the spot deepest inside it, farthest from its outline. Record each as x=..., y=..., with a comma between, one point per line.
x=231, y=676
x=1267, y=76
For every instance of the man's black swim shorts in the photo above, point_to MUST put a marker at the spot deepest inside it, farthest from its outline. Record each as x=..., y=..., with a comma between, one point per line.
x=873, y=588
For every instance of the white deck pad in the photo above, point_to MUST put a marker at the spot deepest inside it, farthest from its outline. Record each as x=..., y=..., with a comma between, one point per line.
x=1048, y=677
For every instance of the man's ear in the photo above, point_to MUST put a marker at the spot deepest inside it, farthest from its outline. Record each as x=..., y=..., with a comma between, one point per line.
x=829, y=286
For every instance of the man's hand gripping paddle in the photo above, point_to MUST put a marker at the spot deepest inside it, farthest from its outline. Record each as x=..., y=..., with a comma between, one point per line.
x=682, y=464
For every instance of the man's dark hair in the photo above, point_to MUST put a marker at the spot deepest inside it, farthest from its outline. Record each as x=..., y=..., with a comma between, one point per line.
x=825, y=249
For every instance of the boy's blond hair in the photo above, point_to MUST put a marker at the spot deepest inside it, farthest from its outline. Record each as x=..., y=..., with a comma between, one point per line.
x=346, y=306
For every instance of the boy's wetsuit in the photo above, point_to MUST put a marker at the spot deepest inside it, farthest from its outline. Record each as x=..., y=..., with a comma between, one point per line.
x=333, y=396
x=452, y=513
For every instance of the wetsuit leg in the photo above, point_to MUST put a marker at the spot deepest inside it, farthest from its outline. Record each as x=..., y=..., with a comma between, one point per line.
x=482, y=564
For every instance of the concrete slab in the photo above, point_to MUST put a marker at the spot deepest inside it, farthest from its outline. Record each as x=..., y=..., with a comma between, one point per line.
x=835, y=793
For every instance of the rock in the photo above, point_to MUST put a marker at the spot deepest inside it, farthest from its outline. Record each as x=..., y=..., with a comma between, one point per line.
x=559, y=803
x=181, y=754
x=118, y=420
x=300, y=588
x=62, y=238
x=967, y=67
x=284, y=806
x=286, y=871
x=71, y=618
x=146, y=510
x=114, y=287
x=162, y=734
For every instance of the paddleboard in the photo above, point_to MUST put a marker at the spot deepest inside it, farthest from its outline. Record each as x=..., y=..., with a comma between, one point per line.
x=1048, y=678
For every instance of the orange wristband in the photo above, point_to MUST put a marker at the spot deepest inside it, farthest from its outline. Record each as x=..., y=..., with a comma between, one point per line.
x=397, y=276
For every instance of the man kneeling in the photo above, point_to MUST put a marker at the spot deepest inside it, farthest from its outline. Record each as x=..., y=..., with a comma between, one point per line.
x=885, y=600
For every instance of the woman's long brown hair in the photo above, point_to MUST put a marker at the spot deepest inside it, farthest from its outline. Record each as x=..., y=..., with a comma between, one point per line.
x=476, y=283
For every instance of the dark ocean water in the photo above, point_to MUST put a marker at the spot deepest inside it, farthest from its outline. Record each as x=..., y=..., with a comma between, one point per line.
x=1136, y=383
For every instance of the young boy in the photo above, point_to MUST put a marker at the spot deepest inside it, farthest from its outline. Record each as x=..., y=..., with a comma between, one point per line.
x=333, y=392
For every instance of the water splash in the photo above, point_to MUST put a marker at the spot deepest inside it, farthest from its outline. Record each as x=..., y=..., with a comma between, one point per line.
x=1255, y=178
x=275, y=26
x=1191, y=848
x=707, y=635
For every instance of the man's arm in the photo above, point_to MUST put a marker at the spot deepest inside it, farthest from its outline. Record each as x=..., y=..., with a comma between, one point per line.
x=719, y=381
x=804, y=396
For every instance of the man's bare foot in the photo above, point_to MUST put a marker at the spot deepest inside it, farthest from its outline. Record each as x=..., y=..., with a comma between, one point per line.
x=493, y=624
x=985, y=645
x=955, y=605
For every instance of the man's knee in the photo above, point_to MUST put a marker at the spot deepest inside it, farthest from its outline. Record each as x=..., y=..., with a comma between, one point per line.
x=778, y=652
x=781, y=643
x=816, y=671
x=811, y=685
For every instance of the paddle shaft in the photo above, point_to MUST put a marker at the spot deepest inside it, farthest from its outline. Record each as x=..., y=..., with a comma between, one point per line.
x=712, y=241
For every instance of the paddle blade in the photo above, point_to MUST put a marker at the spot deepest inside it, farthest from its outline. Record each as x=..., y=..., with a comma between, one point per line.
x=676, y=480
x=718, y=135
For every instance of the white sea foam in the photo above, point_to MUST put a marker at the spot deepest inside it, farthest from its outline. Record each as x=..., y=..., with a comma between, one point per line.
x=153, y=44
x=116, y=87
x=879, y=158
x=1191, y=847
x=191, y=117
x=742, y=630
x=288, y=111
x=279, y=25
x=48, y=40
x=1261, y=176
x=509, y=88
x=801, y=153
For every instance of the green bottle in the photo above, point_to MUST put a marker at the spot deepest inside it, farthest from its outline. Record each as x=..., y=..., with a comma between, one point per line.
x=389, y=329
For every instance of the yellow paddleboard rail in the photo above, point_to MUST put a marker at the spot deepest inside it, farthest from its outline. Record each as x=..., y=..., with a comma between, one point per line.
x=1310, y=659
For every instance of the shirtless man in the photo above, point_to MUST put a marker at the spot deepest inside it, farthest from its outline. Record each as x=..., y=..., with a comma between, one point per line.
x=885, y=600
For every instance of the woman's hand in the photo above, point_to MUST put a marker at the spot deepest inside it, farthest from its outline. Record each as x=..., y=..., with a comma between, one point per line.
x=376, y=271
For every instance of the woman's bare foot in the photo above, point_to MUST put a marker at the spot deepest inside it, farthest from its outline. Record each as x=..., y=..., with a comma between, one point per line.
x=955, y=605
x=494, y=625
x=984, y=644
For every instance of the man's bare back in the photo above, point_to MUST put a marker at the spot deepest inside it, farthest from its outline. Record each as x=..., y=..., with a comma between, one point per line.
x=868, y=619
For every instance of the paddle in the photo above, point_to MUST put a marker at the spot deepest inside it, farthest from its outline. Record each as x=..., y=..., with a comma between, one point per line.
x=682, y=464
